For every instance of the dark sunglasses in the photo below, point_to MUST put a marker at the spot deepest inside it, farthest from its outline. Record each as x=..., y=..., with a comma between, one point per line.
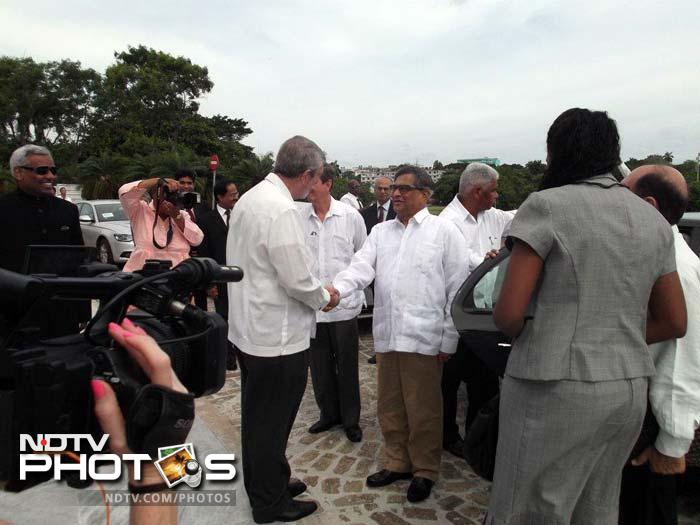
x=41, y=170
x=404, y=188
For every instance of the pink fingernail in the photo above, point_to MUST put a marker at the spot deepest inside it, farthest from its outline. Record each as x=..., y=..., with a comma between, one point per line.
x=115, y=327
x=98, y=388
x=128, y=323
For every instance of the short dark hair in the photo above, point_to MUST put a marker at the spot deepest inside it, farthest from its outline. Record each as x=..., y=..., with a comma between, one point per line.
x=671, y=200
x=185, y=172
x=328, y=174
x=423, y=180
x=580, y=144
x=221, y=186
x=298, y=155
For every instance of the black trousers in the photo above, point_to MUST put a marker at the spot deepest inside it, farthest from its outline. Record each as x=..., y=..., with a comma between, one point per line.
x=482, y=386
x=334, y=371
x=271, y=392
x=647, y=498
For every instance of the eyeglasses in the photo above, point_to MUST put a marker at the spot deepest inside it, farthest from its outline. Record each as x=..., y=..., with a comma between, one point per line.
x=404, y=188
x=40, y=170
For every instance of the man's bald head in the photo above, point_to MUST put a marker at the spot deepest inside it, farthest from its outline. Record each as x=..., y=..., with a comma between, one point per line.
x=664, y=187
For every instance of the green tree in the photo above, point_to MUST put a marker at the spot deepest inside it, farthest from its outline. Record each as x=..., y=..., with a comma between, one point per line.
x=248, y=172
x=668, y=157
x=437, y=165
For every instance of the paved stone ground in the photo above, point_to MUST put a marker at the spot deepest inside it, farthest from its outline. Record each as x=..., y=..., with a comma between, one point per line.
x=335, y=469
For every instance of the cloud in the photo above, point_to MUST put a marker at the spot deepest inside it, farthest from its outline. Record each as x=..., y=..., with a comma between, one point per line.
x=384, y=82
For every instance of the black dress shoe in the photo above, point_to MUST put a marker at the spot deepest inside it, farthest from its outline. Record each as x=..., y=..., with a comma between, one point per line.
x=419, y=489
x=295, y=511
x=372, y=360
x=322, y=426
x=296, y=487
x=386, y=477
x=354, y=434
x=456, y=448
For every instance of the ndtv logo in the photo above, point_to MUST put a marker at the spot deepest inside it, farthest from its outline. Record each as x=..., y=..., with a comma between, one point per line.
x=43, y=453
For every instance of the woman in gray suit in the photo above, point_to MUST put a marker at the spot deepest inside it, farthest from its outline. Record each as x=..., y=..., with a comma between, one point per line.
x=591, y=281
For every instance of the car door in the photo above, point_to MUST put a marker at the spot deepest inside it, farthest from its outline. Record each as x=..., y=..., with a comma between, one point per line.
x=472, y=312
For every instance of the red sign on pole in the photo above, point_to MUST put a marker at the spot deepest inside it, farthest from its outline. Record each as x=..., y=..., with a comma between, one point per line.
x=213, y=162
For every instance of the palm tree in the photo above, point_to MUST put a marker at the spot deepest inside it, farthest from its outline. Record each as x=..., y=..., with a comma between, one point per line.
x=248, y=172
x=101, y=177
x=668, y=157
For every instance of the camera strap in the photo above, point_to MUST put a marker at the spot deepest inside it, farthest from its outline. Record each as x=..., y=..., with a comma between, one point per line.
x=159, y=417
x=159, y=198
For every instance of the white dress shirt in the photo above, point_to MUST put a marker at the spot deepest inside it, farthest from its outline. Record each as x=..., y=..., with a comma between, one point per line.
x=273, y=309
x=386, y=208
x=333, y=242
x=351, y=200
x=222, y=212
x=417, y=269
x=482, y=233
x=674, y=392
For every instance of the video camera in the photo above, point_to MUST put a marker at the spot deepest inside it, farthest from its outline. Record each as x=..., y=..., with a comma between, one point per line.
x=45, y=384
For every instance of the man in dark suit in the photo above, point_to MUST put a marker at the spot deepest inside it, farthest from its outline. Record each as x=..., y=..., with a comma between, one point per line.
x=381, y=210
x=214, y=225
x=33, y=215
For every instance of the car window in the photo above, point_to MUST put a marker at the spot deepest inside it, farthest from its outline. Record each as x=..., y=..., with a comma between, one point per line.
x=486, y=291
x=87, y=210
x=112, y=211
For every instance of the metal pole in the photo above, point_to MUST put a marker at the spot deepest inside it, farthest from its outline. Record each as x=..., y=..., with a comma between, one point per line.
x=213, y=197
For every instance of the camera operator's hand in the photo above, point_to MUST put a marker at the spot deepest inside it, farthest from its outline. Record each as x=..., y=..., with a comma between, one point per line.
x=172, y=184
x=156, y=365
x=168, y=208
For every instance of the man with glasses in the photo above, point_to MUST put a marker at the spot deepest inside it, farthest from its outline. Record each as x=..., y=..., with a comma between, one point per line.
x=32, y=215
x=417, y=263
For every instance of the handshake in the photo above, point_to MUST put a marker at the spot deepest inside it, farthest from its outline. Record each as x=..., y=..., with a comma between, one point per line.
x=335, y=298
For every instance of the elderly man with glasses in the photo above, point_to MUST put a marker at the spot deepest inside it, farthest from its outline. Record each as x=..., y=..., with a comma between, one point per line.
x=32, y=215
x=418, y=263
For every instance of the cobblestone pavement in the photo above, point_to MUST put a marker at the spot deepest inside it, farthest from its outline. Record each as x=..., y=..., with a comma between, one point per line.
x=335, y=469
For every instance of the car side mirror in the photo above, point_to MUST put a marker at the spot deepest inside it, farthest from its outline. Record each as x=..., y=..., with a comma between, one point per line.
x=86, y=218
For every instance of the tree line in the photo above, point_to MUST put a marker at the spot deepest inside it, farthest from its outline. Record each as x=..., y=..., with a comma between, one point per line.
x=141, y=119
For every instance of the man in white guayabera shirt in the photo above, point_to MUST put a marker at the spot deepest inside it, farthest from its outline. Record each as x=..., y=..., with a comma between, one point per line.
x=351, y=198
x=418, y=263
x=482, y=225
x=334, y=232
x=271, y=314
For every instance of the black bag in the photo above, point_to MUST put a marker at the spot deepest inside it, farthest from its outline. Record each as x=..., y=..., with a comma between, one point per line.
x=482, y=439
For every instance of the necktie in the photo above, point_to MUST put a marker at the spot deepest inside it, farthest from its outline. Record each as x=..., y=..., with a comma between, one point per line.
x=228, y=217
x=381, y=214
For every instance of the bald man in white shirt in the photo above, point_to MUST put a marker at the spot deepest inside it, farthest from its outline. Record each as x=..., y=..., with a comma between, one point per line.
x=417, y=262
x=649, y=483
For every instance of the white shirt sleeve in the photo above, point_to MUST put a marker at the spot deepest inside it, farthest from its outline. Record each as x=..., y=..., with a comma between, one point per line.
x=456, y=273
x=361, y=271
x=291, y=259
x=360, y=231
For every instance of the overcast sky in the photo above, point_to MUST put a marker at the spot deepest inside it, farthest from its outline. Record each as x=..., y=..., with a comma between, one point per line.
x=383, y=82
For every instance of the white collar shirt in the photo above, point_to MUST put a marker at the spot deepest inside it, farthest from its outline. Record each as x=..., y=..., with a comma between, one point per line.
x=332, y=243
x=482, y=233
x=674, y=392
x=417, y=270
x=351, y=200
x=222, y=212
x=386, y=208
x=272, y=310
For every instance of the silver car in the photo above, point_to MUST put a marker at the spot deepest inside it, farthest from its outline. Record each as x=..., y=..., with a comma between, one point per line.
x=105, y=226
